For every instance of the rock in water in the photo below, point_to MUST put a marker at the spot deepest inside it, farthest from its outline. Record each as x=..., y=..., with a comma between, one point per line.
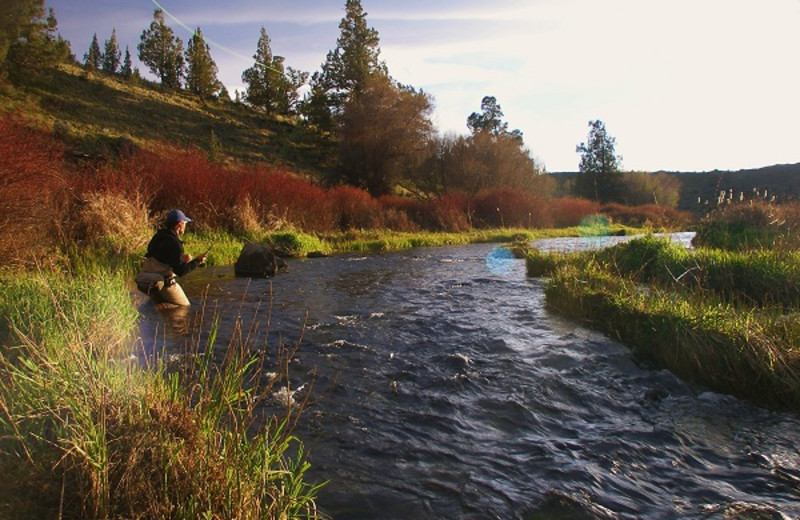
x=257, y=260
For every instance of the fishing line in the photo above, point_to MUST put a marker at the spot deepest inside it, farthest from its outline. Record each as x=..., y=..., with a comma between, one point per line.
x=210, y=41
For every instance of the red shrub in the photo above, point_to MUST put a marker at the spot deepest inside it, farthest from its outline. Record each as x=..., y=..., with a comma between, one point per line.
x=569, y=211
x=186, y=179
x=510, y=207
x=295, y=200
x=32, y=191
x=398, y=212
x=447, y=213
x=398, y=203
x=128, y=178
x=354, y=208
x=646, y=215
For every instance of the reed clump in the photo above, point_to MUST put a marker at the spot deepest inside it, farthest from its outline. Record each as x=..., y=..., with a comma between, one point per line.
x=87, y=431
x=751, y=225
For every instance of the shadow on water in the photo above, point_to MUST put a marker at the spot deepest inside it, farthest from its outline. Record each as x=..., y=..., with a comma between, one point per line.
x=444, y=389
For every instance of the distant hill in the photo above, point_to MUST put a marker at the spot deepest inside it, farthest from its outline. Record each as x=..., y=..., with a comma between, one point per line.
x=781, y=181
x=94, y=112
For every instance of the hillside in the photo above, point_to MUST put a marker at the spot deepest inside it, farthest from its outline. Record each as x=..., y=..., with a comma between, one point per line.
x=95, y=113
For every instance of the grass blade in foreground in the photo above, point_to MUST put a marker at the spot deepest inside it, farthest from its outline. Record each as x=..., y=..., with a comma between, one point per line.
x=88, y=433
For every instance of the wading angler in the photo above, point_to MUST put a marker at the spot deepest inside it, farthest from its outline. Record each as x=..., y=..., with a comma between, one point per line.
x=165, y=261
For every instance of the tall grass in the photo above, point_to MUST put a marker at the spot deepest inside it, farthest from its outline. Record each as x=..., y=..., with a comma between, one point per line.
x=730, y=348
x=727, y=320
x=751, y=225
x=87, y=432
x=761, y=278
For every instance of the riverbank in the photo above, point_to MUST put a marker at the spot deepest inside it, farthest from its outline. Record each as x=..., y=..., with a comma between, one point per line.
x=729, y=321
x=88, y=432
x=225, y=248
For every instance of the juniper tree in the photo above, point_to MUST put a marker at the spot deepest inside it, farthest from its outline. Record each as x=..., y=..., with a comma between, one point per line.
x=111, y=54
x=346, y=68
x=162, y=51
x=201, y=75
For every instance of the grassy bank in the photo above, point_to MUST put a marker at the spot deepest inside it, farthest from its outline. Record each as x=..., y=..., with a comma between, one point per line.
x=87, y=432
x=226, y=247
x=727, y=321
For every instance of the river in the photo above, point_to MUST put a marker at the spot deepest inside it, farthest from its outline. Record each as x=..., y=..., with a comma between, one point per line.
x=445, y=389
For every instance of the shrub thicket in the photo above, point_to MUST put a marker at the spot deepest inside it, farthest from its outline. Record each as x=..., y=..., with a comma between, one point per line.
x=130, y=191
x=508, y=207
x=647, y=215
x=33, y=195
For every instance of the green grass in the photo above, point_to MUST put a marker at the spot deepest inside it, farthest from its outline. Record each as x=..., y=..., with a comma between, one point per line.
x=226, y=247
x=377, y=240
x=86, y=431
x=728, y=321
x=762, y=278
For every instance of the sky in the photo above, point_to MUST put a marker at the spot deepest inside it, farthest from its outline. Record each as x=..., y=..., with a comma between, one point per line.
x=682, y=85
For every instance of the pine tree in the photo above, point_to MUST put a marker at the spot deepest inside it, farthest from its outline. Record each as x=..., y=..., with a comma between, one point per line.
x=270, y=85
x=600, y=176
x=29, y=43
x=262, y=77
x=93, y=58
x=111, y=54
x=201, y=76
x=346, y=68
x=162, y=52
x=127, y=65
x=490, y=120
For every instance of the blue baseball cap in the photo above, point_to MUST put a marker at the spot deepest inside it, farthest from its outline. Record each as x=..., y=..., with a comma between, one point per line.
x=175, y=216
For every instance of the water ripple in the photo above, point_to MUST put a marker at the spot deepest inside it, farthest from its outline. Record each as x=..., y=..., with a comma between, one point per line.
x=445, y=390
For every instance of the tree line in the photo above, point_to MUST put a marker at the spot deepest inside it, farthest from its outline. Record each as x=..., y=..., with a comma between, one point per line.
x=385, y=140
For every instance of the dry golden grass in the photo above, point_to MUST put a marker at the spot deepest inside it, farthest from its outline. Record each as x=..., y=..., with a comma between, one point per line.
x=114, y=222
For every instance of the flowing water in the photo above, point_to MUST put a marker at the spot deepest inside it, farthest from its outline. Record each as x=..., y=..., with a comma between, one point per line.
x=445, y=389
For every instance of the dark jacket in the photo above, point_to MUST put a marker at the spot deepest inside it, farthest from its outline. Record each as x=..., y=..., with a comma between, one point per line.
x=167, y=248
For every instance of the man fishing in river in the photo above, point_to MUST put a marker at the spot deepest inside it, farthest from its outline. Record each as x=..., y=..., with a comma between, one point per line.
x=165, y=261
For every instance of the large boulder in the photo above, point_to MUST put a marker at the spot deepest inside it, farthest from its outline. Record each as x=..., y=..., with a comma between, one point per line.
x=257, y=260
